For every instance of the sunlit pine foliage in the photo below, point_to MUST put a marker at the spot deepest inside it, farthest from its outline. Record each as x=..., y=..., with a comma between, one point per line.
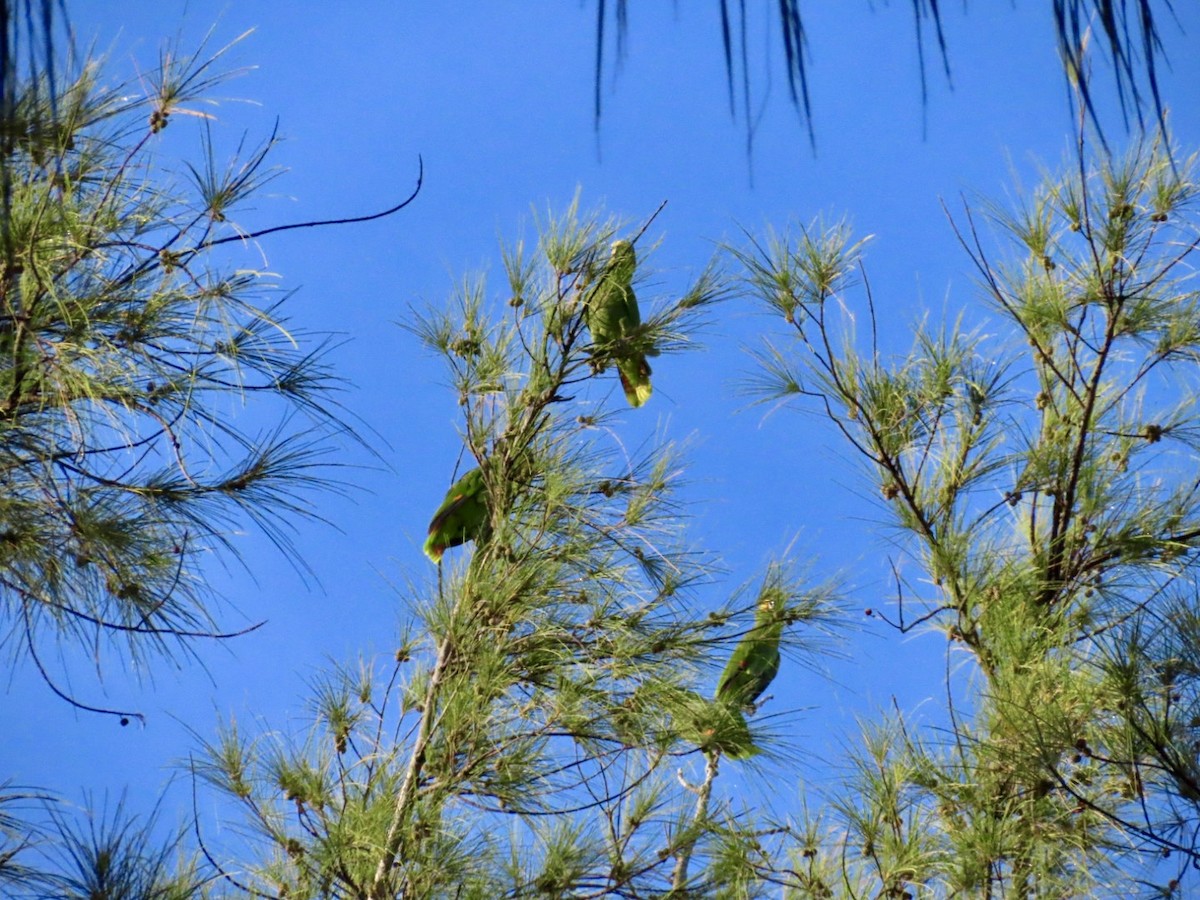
x=153, y=400
x=1038, y=474
x=525, y=740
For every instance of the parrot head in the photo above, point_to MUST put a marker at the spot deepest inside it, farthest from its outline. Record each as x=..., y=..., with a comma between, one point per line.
x=623, y=260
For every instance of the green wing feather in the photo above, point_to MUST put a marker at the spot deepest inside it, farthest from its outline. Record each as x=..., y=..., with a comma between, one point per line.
x=752, y=666
x=755, y=660
x=612, y=315
x=460, y=518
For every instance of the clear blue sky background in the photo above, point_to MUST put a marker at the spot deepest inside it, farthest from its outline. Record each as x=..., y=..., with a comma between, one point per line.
x=497, y=97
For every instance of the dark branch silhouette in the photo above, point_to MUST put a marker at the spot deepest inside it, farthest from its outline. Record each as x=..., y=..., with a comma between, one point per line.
x=321, y=222
x=1128, y=30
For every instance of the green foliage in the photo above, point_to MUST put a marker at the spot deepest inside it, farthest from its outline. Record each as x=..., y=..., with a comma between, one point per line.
x=19, y=840
x=128, y=341
x=1037, y=480
x=50, y=849
x=543, y=728
x=527, y=744
x=119, y=857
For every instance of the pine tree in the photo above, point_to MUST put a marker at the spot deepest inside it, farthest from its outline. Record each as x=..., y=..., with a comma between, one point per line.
x=130, y=341
x=1040, y=478
x=126, y=334
x=525, y=739
x=1126, y=37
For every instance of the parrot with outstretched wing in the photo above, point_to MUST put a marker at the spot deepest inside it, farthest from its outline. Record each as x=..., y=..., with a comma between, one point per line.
x=612, y=315
x=461, y=517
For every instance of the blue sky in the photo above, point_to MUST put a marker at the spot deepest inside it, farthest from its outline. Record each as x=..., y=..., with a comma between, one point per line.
x=497, y=99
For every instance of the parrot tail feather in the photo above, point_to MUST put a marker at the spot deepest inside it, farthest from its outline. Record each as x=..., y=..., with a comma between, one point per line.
x=635, y=382
x=434, y=550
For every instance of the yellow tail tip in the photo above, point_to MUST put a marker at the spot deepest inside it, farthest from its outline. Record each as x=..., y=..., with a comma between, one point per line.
x=638, y=394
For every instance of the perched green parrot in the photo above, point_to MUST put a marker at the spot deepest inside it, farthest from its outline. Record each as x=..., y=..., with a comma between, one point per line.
x=755, y=660
x=612, y=314
x=460, y=518
x=752, y=666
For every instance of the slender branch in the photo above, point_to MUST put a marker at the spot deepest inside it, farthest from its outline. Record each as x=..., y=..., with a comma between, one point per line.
x=684, y=852
x=319, y=223
x=979, y=258
x=647, y=223
x=124, y=716
x=204, y=847
x=1064, y=499
x=902, y=626
x=143, y=629
x=416, y=761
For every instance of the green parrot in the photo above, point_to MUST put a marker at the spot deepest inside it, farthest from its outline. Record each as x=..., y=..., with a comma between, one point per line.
x=461, y=517
x=751, y=668
x=612, y=315
x=755, y=660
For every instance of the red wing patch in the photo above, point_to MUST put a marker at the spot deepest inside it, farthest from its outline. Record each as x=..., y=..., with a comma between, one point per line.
x=440, y=519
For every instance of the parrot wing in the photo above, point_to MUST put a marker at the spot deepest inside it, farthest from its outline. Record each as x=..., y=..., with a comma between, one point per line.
x=460, y=517
x=608, y=306
x=752, y=666
x=612, y=314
